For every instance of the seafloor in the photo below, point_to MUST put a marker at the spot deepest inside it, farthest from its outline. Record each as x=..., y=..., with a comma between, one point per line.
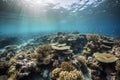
x=62, y=56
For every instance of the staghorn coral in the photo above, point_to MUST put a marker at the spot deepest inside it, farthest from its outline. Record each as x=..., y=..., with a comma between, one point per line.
x=66, y=66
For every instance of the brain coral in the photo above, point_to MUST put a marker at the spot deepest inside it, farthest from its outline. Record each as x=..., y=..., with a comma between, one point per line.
x=66, y=66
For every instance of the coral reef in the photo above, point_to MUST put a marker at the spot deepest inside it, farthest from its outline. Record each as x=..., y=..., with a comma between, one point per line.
x=62, y=56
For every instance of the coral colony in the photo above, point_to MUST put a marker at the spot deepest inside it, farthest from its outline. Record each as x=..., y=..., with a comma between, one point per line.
x=62, y=56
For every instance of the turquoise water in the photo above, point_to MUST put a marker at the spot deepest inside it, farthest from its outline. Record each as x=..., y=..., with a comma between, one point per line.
x=85, y=16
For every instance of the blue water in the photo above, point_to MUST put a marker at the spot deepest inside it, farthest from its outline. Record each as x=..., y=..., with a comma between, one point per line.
x=95, y=19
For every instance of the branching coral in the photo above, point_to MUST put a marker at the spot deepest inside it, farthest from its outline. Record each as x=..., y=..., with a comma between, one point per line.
x=67, y=72
x=43, y=49
x=43, y=54
x=55, y=72
x=72, y=75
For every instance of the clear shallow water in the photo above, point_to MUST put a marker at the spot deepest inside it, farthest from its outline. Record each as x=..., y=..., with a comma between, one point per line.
x=27, y=17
